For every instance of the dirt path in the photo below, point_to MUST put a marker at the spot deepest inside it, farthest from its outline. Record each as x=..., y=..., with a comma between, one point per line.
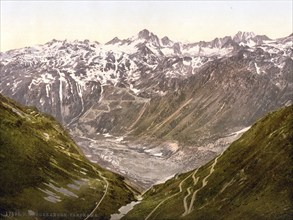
x=204, y=183
x=105, y=192
x=186, y=208
x=185, y=201
x=180, y=191
x=193, y=177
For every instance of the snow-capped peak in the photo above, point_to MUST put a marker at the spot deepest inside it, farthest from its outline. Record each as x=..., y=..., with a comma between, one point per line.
x=115, y=40
x=148, y=36
x=243, y=36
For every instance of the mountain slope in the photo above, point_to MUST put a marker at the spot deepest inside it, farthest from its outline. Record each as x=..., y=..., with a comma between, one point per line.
x=252, y=179
x=215, y=102
x=43, y=171
x=67, y=79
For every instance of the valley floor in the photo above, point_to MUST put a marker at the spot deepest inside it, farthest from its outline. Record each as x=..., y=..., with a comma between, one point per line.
x=148, y=163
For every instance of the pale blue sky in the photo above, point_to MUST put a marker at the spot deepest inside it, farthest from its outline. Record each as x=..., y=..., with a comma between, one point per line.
x=26, y=23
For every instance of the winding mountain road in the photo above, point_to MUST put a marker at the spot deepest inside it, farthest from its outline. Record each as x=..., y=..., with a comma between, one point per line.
x=185, y=201
x=204, y=183
x=188, y=208
x=180, y=191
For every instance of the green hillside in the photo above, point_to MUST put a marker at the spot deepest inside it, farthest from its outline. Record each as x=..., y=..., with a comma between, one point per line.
x=252, y=179
x=43, y=173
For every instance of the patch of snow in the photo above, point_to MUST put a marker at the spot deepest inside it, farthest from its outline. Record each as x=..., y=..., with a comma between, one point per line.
x=15, y=84
x=193, y=51
x=158, y=154
x=136, y=91
x=73, y=186
x=186, y=63
x=51, y=196
x=257, y=69
x=249, y=43
x=167, y=51
x=53, y=199
x=269, y=41
x=154, y=152
x=42, y=101
x=119, y=139
x=61, y=190
x=107, y=135
x=47, y=90
x=154, y=50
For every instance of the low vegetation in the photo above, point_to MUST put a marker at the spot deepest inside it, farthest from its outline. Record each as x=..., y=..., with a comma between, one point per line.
x=43, y=173
x=252, y=179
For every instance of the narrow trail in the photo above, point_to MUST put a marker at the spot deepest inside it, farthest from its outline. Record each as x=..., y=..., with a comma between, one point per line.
x=193, y=177
x=185, y=201
x=180, y=191
x=186, y=208
x=204, y=183
x=105, y=192
x=192, y=198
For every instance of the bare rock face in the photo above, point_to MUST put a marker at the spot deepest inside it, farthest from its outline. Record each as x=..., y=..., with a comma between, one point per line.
x=197, y=95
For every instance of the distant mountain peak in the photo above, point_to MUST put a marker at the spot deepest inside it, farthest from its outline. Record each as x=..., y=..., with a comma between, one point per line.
x=246, y=33
x=113, y=41
x=243, y=36
x=259, y=39
x=166, y=41
x=149, y=37
x=145, y=34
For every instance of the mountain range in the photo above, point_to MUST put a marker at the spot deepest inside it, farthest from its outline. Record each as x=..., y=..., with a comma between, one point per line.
x=176, y=105
x=188, y=124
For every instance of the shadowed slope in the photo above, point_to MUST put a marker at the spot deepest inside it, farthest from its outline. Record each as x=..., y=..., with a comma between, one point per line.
x=43, y=171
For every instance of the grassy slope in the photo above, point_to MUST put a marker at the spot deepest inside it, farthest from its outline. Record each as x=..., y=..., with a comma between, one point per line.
x=36, y=151
x=252, y=179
